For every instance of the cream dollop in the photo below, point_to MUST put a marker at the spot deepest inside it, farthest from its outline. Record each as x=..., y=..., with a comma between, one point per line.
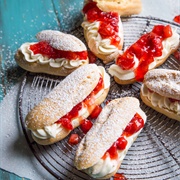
x=161, y=101
x=102, y=46
x=52, y=130
x=168, y=44
x=55, y=63
x=106, y=166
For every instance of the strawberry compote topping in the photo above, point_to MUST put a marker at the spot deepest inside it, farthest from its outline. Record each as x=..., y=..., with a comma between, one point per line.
x=88, y=102
x=145, y=49
x=109, y=27
x=133, y=127
x=177, y=19
x=46, y=50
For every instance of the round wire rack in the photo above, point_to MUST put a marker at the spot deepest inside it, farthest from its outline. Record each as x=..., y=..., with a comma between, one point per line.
x=156, y=152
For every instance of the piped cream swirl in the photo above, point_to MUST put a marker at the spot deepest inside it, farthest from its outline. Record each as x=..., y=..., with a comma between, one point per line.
x=161, y=101
x=53, y=130
x=96, y=43
x=29, y=56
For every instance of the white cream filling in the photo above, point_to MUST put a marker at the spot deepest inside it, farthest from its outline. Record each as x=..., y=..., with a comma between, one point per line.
x=107, y=166
x=168, y=44
x=29, y=56
x=102, y=46
x=117, y=71
x=161, y=101
x=53, y=130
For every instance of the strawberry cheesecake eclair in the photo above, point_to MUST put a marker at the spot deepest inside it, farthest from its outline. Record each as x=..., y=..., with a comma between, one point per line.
x=103, y=32
x=56, y=53
x=149, y=52
x=102, y=150
x=161, y=91
x=68, y=104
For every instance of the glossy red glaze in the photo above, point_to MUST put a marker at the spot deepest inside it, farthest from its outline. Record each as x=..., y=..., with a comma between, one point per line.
x=145, y=49
x=113, y=151
x=109, y=27
x=46, y=50
x=88, y=102
x=121, y=143
x=134, y=125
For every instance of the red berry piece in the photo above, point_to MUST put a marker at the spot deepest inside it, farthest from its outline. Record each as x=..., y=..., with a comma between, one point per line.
x=96, y=112
x=86, y=125
x=73, y=139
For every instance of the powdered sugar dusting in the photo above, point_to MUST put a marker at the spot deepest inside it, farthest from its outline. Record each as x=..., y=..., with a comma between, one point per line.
x=164, y=82
x=105, y=131
x=71, y=91
x=61, y=41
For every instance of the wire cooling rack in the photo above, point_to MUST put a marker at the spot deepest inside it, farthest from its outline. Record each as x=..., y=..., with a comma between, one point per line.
x=156, y=152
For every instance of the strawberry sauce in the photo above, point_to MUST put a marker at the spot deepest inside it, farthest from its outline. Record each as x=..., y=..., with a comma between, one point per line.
x=134, y=126
x=109, y=27
x=145, y=49
x=88, y=102
x=46, y=50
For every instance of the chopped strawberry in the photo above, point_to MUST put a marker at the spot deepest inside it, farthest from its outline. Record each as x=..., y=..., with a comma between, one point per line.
x=118, y=176
x=86, y=125
x=134, y=125
x=73, y=139
x=113, y=151
x=177, y=19
x=126, y=61
x=167, y=31
x=121, y=143
x=66, y=123
x=96, y=112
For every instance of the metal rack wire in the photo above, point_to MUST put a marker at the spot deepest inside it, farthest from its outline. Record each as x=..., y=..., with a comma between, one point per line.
x=156, y=152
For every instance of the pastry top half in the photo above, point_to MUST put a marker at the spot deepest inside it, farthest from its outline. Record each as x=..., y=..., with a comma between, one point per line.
x=107, y=128
x=165, y=82
x=61, y=41
x=161, y=91
x=71, y=91
x=55, y=53
x=122, y=7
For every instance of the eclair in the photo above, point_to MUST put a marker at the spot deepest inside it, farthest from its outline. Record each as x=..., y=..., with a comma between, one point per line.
x=161, y=91
x=55, y=53
x=103, y=32
x=150, y=51
x=122, y=7
x=102, y=150
x=68, y=104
